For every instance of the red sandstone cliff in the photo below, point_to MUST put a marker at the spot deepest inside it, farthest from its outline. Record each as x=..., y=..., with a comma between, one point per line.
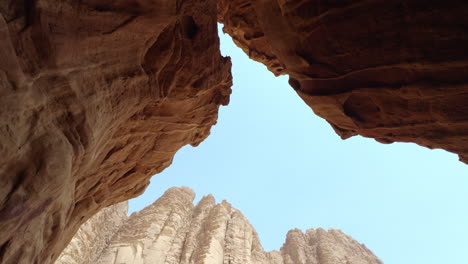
x=96, y=96
x=389, y=70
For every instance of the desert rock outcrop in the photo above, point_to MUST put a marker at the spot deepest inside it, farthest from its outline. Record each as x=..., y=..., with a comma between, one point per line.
x=96, y=96
x=389, y=70
x=174, y=231
x=94, y=235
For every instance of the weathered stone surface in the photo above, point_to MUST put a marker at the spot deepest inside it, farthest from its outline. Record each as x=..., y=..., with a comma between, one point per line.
x=389, y=70
x=242, y=25
x=173, y=230
x=95, y=97
x=94, y=235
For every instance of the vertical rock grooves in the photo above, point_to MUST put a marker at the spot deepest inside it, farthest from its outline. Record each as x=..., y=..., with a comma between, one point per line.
x=96, y=96
x=174, y=231
x=389, y=70
x=94, y=235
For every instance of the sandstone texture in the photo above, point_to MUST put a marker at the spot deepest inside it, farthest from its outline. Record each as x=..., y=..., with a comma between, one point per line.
x=96, y=96
x=389, y=70
x=173, y=230
x=94, y=235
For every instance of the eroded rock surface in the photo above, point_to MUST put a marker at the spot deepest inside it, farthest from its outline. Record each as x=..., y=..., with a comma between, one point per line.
x=173, y=230
x=94, y=235
x=389, y=70
x=95, y=97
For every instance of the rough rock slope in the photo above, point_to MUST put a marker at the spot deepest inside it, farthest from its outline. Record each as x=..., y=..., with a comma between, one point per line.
x=95, y=97
x=94, y=235
x=173, y=230
x=390, y=70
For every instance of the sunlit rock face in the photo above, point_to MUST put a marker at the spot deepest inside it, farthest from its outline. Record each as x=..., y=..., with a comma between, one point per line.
x=94, y=235
x=96, y=96
x=389, y=70
x=173, y=230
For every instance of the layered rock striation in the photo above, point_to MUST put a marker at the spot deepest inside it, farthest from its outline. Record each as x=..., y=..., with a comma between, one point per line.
x=94, y=235
x=173, y=230
x=389, y=70
x=96, y=96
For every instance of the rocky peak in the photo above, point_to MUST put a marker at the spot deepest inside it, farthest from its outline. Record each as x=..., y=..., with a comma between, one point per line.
x=174, y=231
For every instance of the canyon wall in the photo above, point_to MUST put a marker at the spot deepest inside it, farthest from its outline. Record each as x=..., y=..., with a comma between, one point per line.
x=175, y=231
x=94, y=235
x=389, y=70
x=96, y=96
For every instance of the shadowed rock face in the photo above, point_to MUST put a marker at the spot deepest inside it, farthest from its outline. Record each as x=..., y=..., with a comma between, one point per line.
x=174, y=231
x=96, y=96
x=389, y=70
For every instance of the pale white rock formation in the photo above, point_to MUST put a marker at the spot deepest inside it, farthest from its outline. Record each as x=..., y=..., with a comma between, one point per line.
x=94, y=235
x=174, y=231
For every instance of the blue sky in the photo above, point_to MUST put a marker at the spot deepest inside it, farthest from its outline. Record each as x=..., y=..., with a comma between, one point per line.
x=285, y=168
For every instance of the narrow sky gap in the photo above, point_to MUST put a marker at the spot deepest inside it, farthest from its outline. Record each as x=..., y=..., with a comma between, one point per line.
x=284, y=168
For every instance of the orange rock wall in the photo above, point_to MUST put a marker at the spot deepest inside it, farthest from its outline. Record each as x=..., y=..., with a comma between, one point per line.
x=389, y=70
x=96, y=97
